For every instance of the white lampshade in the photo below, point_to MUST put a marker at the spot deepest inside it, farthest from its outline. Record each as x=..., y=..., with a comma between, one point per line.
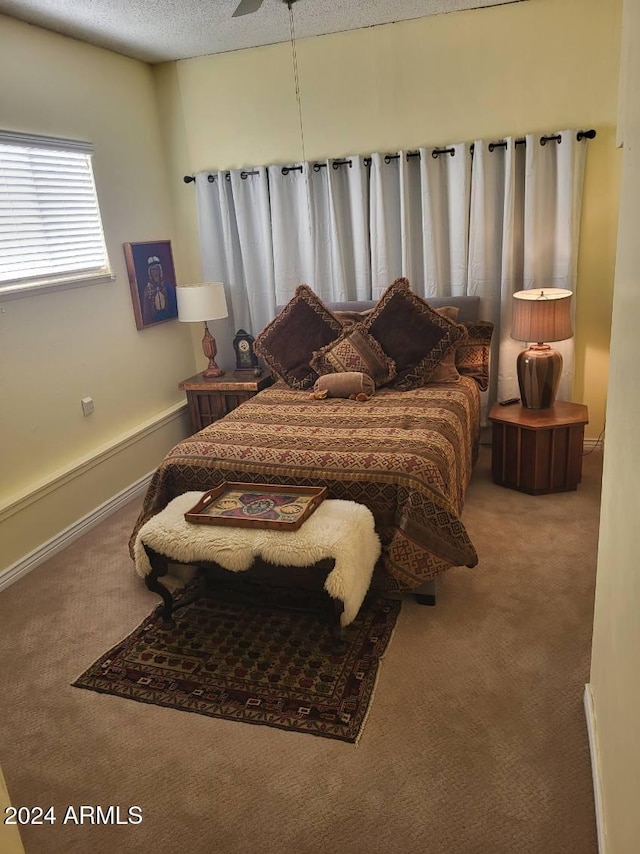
x=201, y=302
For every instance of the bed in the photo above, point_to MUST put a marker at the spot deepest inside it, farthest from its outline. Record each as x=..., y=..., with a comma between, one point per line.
x=407, y=454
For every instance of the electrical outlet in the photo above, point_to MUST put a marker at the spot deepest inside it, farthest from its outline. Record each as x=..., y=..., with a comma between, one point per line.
x=87, y=405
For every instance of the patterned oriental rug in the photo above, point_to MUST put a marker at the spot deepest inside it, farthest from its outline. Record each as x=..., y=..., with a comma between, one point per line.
x=260, y=655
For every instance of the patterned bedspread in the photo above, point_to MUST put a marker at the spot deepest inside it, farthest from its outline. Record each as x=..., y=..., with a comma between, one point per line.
x=406, y=455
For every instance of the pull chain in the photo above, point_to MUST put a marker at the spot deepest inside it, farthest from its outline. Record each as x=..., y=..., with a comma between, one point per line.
x=294, y=59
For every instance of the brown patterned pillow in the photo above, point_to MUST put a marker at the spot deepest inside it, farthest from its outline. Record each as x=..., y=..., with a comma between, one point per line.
x=446, y=372
x=472, y=355
x=288, y=343
x=355, y=350
x=412, y=334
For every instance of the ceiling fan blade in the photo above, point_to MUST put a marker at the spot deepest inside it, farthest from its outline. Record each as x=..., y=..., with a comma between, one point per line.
x=246, y=7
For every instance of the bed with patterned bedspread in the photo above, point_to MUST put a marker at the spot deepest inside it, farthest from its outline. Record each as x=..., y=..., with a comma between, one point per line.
x=406, y=455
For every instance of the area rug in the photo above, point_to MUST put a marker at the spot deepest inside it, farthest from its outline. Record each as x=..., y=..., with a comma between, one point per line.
x=256, y=654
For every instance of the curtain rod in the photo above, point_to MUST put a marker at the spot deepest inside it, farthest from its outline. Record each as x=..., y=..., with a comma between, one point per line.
x=336, y=164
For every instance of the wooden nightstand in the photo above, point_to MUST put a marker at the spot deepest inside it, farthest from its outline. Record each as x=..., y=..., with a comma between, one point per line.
x=538, y=450
x=212, y=399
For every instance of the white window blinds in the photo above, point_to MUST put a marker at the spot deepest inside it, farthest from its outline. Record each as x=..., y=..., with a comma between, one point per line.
x=50, y=226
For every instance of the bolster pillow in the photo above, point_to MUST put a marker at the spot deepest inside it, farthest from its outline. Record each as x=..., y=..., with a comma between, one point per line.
x=345, y=384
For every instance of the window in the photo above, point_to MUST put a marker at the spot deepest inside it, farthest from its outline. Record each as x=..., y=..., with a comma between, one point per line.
x=50, y=227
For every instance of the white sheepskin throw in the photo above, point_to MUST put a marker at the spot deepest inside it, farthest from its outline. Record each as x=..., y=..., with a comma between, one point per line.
x=342, y=530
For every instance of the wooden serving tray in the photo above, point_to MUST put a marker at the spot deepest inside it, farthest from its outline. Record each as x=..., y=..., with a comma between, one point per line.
x=257, y=505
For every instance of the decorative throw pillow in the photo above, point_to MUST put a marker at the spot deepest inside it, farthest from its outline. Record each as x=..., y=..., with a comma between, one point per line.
x=345, y=384
x=355, y=350
x=446, y=372
x=287, y=343
x=472, y=355
x=415, y=336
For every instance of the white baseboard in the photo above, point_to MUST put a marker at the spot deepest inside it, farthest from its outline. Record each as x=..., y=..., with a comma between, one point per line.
x=68, y=535
x=592, y=444
x=595, y=767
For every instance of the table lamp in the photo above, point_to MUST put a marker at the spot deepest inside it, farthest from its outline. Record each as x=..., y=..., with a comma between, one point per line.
x=540, y=315
x=200, y=303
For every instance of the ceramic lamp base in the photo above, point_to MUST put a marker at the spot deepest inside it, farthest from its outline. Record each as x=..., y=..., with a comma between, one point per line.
x=539, y=371
x=212, y=372
x=210, y=350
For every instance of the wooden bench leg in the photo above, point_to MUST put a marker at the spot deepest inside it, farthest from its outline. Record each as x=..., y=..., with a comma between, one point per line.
x=337, y=629
x=159, y=567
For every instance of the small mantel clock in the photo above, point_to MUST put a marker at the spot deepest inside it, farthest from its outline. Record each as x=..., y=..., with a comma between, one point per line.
x=246, y=359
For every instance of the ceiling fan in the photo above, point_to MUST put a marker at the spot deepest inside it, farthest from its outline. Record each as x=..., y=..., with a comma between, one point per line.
x=247, y=7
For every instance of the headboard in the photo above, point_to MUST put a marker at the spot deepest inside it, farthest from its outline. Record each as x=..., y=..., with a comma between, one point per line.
x=468, y=307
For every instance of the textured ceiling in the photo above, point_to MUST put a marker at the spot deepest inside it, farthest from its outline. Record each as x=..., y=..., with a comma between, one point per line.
x=161, y=30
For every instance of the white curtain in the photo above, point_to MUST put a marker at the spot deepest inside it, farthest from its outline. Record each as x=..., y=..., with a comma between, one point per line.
x=320, y=227
x=348, y=215
x=256, y=274
x=293, y=252
x=420, y=219
x=235, y=241
x=524, y=224
x=490, y=224
x=552, y=205
x=495, y=251
x=385, y=216
x=445, y=183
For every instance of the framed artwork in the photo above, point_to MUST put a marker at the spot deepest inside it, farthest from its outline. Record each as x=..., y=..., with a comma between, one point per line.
x=152, y=279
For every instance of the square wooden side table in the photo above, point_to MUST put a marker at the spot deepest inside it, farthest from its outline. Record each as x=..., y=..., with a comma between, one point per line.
x=212, y=399
x=538, y=450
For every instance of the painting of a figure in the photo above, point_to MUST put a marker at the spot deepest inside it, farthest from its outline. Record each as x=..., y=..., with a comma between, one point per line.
x=152, y=280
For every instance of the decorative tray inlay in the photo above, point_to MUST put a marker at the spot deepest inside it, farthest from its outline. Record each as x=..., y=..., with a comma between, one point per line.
x=256, y=505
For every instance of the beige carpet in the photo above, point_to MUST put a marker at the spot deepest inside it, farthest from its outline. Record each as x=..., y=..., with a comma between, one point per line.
x=475, y=743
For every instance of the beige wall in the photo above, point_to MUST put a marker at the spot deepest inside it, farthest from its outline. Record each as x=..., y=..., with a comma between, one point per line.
x=537, y=66
x=615, y=667
x=57, y=348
